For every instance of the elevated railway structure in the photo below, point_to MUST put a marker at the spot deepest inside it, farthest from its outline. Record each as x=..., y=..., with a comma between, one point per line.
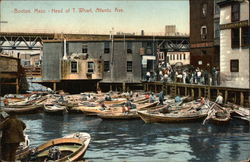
x=34, y=41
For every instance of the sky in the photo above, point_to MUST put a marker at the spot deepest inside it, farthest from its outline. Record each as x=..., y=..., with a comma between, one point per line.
x=97, y=17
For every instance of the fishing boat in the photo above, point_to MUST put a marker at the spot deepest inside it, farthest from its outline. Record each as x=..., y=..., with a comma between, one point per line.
x=119, y=115
x=144, y=106
x=218, y=114
x=173, y=117
x=87, y=110
x=54, y=109
x=68, y=148
x=23, y=110
x=240, y=112
x=82, y=136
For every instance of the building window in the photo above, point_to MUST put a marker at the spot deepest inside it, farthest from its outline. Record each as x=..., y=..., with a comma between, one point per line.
x=106, y=66
x=106, y=47
x=129, y=66
x=90, y=67
x=245, y=36
x=180, y=56
x=235, y=37
x=184, y=56
x=235, y=12
x=204, y=10
x=177, y=56
x=73, y=67
x=129, y=47
x=204, y=32
x=173, y=57
x=234, y=65
x=85, y=48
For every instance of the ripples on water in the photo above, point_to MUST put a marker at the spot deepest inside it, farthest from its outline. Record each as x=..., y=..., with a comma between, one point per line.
x=136, y=141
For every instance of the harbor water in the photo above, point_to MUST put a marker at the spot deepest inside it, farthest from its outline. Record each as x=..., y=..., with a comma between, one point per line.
x=135, y=141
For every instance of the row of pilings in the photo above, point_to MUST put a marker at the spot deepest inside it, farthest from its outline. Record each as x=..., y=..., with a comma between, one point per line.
x=238, y=96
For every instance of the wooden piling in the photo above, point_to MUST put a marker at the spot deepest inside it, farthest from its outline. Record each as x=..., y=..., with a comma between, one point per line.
x=192, y=92
x=241, y=98
x=54, y=86
x=226, y=96
x=186, y=91
x=17, y=86
x=199, y=92
x=123, y=86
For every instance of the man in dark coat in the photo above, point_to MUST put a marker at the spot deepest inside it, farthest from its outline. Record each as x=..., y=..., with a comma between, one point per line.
x=12, y=134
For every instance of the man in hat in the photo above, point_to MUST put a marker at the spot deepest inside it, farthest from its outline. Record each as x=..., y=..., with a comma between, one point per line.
x=12, y=134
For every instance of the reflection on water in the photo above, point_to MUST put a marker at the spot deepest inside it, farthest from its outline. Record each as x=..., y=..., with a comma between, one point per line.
x=136, y=141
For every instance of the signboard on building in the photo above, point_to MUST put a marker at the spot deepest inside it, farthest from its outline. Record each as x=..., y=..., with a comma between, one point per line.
x=234, y=25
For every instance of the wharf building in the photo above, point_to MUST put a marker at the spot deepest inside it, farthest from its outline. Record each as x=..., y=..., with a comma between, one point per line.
x=10, y=75
x=204, y=34
x=234, y=43
x=116, y=62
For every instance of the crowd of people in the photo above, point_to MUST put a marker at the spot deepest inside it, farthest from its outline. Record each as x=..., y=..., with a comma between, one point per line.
x=185, y=75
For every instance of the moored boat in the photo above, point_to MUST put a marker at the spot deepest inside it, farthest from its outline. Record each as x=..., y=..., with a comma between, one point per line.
x=172, y=117
x=23, y=110
x=118, y=115
x=54, y=109
x=218, y=114
x=61, y=149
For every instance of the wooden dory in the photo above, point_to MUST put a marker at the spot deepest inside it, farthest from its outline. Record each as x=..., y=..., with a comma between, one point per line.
x=71, y=149
x=23, y=110
x=172, y=117
x=119, y=115
x=218, y=114
x=54, y=109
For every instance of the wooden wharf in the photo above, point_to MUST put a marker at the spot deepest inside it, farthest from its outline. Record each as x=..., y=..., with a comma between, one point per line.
x=238, y=96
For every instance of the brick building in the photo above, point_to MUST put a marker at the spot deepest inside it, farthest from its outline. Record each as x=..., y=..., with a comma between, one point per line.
x=204, y=49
